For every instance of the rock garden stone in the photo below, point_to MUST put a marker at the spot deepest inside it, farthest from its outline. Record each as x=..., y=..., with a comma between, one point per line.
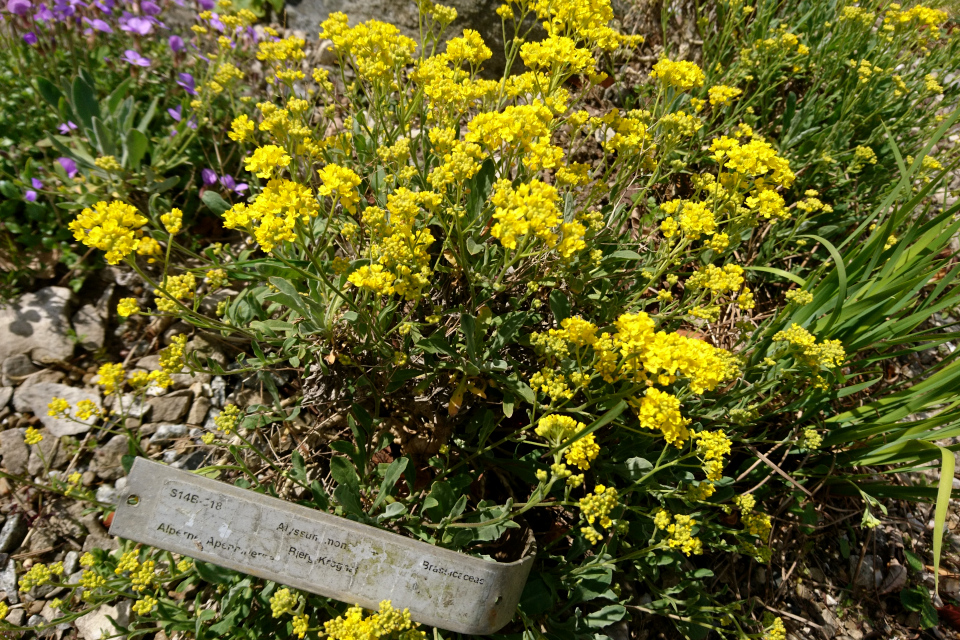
x=198, y=411
x=108, y=459
x=90, y=326
x=36, y=324
x=172, y=407
x=97, y=623
x=53, y=455
x=6, y=393
x=168, y=431
x=17, y=368
x=13, y=532
x=14, y=451
x=35, y=399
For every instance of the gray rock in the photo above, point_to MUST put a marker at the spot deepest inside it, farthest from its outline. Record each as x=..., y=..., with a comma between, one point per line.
x=44, y=375
x=210, y=424
x=6, y=393
x=8, y=582
x=108, y=458
x=172, y=407
x=97, y=623
x=198, y=412
x=218, y=391
x=16, y=616
x=70, y=562
x=16, y=368
x=133, y=406
x=53, y=455
x=168, y=431
x=150, y=363
x=36, y=324
x=106, y=494
x=192, y=462
x=12, y=534
x=35, y=399
x=90, y=327
x=14, y=450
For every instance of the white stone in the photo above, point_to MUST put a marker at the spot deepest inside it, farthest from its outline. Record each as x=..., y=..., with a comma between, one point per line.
x=36, y=324
x=35, y=399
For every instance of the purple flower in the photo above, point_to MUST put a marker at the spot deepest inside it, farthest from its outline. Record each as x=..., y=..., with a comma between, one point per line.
x=30, y=195
x=192, y=122
x=216, y=24
x=30, y=38
x=231, y=184
x=98, y=25
x=105, y=6
x=37, y=184
x=69, y=166
x=136, y=24
x=135, y=58
x=175, y=113
x=176, y=44
x=186, y=81
x=209, y=177
x=150, y=8
x=18, y=7
x=43, y=13
x=207, y=5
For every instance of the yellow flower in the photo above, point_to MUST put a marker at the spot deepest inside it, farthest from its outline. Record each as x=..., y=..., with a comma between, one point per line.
x=58, y=408
x=597, y=506
x=659, y=410
x=108, y=163
x=127, y=307
x=112, y=377
x=721, y=95
x=281, y=602
x=32, y=436
x=300, y=625
x=241, y=129
x=530, y=209
x=109, y=227
x=681, y=74
x=386, y=623
x=265, y=160
x=171, y=358
x=86, y=409
x=582, y=452
x=777, y=631
x=340, y=182
x=227, y=420
x=172, y=221
x=144, y=606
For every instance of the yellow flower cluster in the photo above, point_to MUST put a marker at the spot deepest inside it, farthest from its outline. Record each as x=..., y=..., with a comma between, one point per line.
x=582, y=452
x=678, y=125
x=142, y=579
x=528, y=210
x=111, y=227
x=680, y=532
x=695, y=218
x=595, y=507
x=39, y=575
x=141, y=379
x=227, y=419
x=721, y=95
x=276, y=212
x=659, y=410
x=558, y=54
x=378, y=49
x=799, y=296
x=282, y=601
x=387, y=623
x=172, y=221
x=398, y=249
x=57, y=408
x=340, y=183
x=265, y=160
x=111, y=378
x=182, y=287
x=922, y=16
x=291, y=49
x=828, y=354
x=551, y=383
x=171, y=357
x=242, y=128
x=127, y=307
x=144, y=605
x=712, y=446
x=680, y=74
x=776, y=631
x=300, y=625
x=719, y=280
x=755, y=159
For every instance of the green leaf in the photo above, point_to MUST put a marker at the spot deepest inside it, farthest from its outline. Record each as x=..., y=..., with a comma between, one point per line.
x=214, y=574
x=780, y=272
x=104, y=139
x=148, y=116
x=213, y=200
x=85, y=104
x=137, y=145
x=394, y=471
x=510, y=324
x=605, y=617
x=914, y=598
x=625, y=254
x=947, y=464
x=393, y=510
x=440, y=500
x=559, y=305
x=468, y=326
x=49, y=92
x=913, y=560
x=344, y=473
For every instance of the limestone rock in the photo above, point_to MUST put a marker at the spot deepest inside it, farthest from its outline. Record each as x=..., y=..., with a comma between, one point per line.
x=8, y=583
x=36, y=324
x=97, y=623
x=167, y=431
x=16, y=368
x=6, y=393
x=171, y=407
x=14, y=450
x=109, y=458
x=13, y=532
x=35, y=399
x=198, y=412
x=90, y=326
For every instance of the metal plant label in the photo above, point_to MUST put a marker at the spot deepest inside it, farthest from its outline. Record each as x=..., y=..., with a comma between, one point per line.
x=317, y=552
